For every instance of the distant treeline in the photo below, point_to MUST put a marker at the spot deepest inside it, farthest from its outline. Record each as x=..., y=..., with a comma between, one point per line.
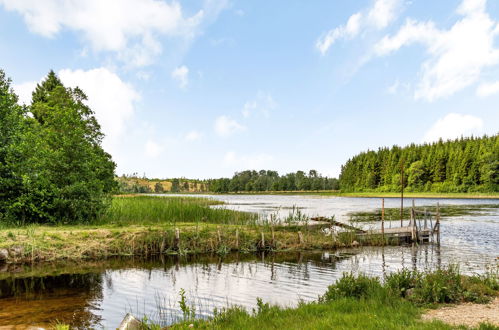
x=271, y=181
x=463, y=165
x=134, y=184
x=244, y=181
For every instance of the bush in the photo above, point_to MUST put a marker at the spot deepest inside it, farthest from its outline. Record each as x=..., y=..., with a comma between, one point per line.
x=402, y=281
x=441, y=286
x=355, y=287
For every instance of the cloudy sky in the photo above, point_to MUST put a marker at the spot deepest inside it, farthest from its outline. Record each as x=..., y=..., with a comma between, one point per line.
x=203, y=88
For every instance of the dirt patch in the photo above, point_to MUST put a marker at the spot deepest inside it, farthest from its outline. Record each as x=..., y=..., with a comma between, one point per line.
x=466, y=314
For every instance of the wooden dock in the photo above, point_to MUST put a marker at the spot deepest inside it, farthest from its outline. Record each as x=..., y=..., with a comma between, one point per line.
x=423, y=226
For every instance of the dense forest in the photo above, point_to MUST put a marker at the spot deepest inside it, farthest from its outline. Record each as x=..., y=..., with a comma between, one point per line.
x=463, y=165
x=272, y=181
x=52, y=166
x=245, y=181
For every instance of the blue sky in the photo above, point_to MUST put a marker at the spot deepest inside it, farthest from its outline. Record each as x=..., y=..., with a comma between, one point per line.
x=201, y=89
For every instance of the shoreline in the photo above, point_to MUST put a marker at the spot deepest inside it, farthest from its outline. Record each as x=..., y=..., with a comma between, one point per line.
x=407, y=195
x=36, y=244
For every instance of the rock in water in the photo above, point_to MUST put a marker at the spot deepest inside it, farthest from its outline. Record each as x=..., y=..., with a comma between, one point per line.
x=4, y=255
x=130, y=323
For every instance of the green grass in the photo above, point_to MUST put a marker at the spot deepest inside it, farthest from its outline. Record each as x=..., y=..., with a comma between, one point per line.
x=345, y=313
x=147, y=210
x=146, y=225
x=361, y=302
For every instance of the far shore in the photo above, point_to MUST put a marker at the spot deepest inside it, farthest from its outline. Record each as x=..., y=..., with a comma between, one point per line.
x=338, y=193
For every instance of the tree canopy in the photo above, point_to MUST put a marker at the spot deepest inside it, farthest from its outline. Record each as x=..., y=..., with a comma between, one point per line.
x=53, y=167
x=462, y=165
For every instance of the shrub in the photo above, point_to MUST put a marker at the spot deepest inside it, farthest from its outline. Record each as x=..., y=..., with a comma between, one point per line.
x=350, y=286
x=402, y=281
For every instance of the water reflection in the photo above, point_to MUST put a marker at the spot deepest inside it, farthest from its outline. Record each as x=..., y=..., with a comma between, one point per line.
x=106, y=291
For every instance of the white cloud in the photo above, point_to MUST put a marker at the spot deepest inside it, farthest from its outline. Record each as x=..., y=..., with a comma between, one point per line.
x=181, y=74
x=24, y=91
x=379, y=16
x=225, y=126
x=263, y=103
x=152, y=149
x=383, y=13
x=130, y=28
x=253, y=162
x=109, y=97
x=456, y=57
x=193, y=136
x=487, y=89
x=453, y=126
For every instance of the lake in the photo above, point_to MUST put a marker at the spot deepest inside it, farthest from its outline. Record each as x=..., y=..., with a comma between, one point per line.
x=98, y=294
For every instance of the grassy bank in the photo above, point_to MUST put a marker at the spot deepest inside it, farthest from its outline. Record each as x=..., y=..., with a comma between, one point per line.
x=360, y=302
x=146, y=225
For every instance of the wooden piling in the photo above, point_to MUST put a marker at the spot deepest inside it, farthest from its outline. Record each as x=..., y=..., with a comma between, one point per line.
x=300, y=237
x=177, y=237
x=402, y=194
x=272, y=243
x=263, y=240
x=383, y=219
x=437, y=223
x=237, y=239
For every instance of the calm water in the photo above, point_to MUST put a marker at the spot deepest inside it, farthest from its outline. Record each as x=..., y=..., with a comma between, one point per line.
x=97, y=295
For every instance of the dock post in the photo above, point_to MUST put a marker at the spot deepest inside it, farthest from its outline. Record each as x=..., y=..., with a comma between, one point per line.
x=402, y=194
x=263, y=240
x=177, y=237
x=272, y=243
x=237, y=239
x=413, y=223
x=383, y=220
x=437, y=223
x=425, y=219
x=219, y=236
x=300, y=237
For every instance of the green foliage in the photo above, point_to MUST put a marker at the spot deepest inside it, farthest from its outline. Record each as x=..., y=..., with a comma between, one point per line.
x=463, y=165
x=189, y=312
x=440, y=286
x=343, y=313
x=351, y=286
x=52, y=166
x=142, y=210
x=11, y=129
x=271, y=181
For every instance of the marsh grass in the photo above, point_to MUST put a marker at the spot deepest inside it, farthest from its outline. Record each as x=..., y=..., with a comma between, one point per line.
x=393, y=214
x=148, y=225
x=143, y=210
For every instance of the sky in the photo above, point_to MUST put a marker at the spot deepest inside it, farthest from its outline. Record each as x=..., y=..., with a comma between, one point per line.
x=204, y=88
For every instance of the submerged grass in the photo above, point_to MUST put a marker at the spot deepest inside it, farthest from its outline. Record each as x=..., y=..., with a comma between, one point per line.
x=393, y=213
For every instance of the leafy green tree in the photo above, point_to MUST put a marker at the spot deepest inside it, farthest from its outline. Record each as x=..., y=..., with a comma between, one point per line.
x=79, y=173
x=11, y=129
x=158, y=188
x=416, y=174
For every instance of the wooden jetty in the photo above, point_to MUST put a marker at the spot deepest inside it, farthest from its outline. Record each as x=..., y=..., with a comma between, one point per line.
x=423, y=226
